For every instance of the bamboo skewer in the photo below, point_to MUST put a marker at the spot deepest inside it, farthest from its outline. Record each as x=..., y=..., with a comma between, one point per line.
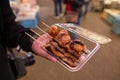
x=40, y=29
x=43, y=31
x=32, y=38
x=45, y=24
x=35, y=32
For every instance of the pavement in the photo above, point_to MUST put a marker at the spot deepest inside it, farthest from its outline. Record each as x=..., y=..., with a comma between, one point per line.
x=104, y=65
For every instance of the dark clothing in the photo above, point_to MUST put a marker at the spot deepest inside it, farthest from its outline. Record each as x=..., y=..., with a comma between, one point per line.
x=58, y=7
x=87, y=5
x=76, y=4
x=11, y=34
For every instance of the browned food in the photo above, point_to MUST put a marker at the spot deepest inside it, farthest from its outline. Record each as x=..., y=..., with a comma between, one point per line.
x=68, y=55
x=61, y=46
x=71, y=51
x=61, y=35
x=77, y=46
x=53, y=31
x=60, y=49
x=69, y=62
x=54, y=51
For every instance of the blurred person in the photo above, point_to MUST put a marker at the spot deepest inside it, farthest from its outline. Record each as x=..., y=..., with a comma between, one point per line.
x=76, y=7
x=86, y=8
x=13, y=34
x=58, y=8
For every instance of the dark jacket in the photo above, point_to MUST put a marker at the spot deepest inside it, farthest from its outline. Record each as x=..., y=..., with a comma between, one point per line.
x=11, y=34
x=76, y=4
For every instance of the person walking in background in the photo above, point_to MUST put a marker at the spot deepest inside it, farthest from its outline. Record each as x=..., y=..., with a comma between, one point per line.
x=58, y=8
x=86, y=7
x=74, y=10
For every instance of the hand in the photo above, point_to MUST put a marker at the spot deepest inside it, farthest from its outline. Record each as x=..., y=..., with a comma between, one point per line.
x=38, y=47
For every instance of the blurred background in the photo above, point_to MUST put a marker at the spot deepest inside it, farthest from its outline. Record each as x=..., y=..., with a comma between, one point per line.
x=101, y=17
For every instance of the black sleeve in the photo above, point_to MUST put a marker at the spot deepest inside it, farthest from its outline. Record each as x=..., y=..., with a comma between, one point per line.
x=13, y=32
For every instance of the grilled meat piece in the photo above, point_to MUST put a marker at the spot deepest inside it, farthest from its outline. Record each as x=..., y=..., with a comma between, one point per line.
x=53, y=31
x=54, y=48
x=63, y=37
x=71, y=51
x=66, y=50
x=54, y=51
x=77, y=46
x=61, y=46
x=69, y=62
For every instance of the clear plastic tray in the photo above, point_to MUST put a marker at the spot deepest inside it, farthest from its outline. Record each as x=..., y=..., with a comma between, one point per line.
x=91, y=47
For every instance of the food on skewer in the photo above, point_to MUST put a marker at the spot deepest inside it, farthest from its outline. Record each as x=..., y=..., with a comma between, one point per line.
x=61, y=46
x=69, y=57
x=54, y=51
x=53, y=31
x=63, y=37
x=69, y=62
x=77, y=46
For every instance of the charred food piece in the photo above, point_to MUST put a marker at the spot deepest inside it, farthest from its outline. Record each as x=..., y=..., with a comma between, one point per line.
x=66, y=50
x=77, y=46
x=58, y=51
x=53, y=50
x=69, y=62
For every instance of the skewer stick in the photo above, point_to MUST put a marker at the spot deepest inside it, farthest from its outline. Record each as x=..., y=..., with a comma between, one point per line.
x=45, y=24
x=32, y=37
x=35, y=32
x=40, y=29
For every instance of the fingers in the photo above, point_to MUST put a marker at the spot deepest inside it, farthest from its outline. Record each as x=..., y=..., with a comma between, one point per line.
x=38, y=47
x=44, y=54
x=45, y=37
x=49, y=57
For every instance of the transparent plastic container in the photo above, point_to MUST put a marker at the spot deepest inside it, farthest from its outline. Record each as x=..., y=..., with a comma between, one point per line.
x=90, y=50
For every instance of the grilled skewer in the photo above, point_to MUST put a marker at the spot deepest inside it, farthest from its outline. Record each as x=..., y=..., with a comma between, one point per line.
x=66, y=50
